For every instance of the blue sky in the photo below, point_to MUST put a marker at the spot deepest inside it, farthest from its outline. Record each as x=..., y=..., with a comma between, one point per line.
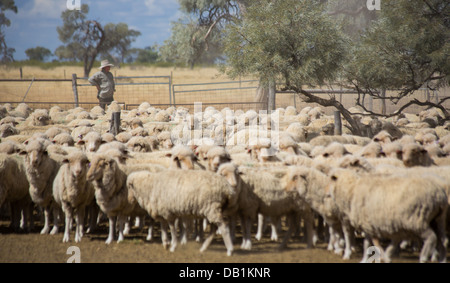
x=36, y=21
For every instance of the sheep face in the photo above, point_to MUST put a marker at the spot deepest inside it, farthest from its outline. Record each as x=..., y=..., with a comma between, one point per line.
x=183, y=162
x=231, y=174
x=34, y=157
x=416, y=155
x=78, y=165
x=102, y=171
x=296, y=181
x=7, y=130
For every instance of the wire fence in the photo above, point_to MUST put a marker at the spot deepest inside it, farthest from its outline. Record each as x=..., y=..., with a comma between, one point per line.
x=160, y=92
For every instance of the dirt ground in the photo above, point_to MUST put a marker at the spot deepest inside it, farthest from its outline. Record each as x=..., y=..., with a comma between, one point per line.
x=35, y=248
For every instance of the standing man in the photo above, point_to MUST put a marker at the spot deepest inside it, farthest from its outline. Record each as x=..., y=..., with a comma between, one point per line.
x=104, y=81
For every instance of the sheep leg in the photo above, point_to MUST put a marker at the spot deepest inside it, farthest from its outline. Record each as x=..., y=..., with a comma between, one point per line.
x=127, y=228
x=112, y=229
x=429, y=238
x=164, y=237
x=441, y=233
x=150, y=230
x=68, y=212
x=79, y=224
x=210, y=237
x=275, y=223
x=93, y=213
x=290, y=222
x=15, y=216
x=348, y=233
x=173, y=232
x=310, y=232
x=121, y=219
x=46, y=227
x=246, y=233
x=184, y=230
x=259, y=232
x=390, y=250
x=225, y=231
x=57, y=215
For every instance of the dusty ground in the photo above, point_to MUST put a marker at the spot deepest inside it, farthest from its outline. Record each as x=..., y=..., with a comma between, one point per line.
x=33, y=247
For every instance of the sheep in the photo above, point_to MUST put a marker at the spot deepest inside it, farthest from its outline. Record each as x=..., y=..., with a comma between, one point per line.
x=10, y=147
x=326, y=140
x=184, y=158
x=39, y=117
x=111, y=192
x=123, y=137
x=14, y=188
x=372, y=150
x=297, y=131
x=180, y=193
x=138, y=144
x=64, y=139
x=165, y=140
x=416, y=155
x=216, y=156
x=274, y=201
x=7, y=130
x=72, y=192
x=54, y=131
x=395, y=207
x=22, y=110
x=41, y=170
x=310, y=184
x=334, y=150
x=91, y=142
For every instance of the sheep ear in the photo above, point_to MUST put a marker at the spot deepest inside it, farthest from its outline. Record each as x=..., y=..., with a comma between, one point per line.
x=168, y=154
x=22, y=152
x=81, y=142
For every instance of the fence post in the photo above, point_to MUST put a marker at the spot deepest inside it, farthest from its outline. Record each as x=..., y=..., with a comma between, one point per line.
x=115, y=123
x=170, y=88
x=383, y=101
x=75, y=89
x=271, y=98
x=337, y=123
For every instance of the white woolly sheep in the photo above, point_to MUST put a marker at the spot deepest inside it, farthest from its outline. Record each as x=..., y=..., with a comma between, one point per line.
x=73, y=193
x=91, y=142
x=41, y=171
x=14, y=189
x=216, y=156
x=138, y=144
x=111, y=193
x=274, y=201
x=64, y=139
x=169, y=195
x=394, y=207
x=10, y=147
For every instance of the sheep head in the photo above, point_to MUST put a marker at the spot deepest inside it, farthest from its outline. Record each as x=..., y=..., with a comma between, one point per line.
x=103, y=171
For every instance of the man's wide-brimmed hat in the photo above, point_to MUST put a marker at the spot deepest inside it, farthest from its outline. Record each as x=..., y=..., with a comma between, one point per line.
x=105, y=63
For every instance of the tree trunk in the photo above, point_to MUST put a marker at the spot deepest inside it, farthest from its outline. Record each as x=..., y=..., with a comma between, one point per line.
x=309, y=98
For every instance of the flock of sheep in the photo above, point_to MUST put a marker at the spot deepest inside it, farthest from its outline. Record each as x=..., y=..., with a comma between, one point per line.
x=194, y=172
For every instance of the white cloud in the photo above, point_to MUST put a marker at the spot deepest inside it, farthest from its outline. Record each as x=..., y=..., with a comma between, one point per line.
x=47, y=9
